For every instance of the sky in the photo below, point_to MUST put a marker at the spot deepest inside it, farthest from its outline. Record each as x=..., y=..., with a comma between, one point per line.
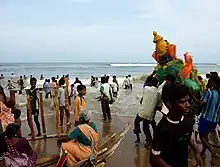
x=106, y=30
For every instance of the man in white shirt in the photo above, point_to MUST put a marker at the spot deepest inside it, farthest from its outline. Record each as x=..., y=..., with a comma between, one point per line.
x=130, y=81
x=125, y=83
x=150, y=103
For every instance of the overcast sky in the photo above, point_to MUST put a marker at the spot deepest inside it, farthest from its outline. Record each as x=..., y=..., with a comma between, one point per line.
x=106, y=30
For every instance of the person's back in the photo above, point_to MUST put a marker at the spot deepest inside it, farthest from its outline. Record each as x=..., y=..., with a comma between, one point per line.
x=212, y=104
x=105, y=89
x=114, y=87
x=149, y=103
x=47, y=87
x=61, y=96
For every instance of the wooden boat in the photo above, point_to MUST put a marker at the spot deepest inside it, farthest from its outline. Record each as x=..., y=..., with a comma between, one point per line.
x=107, y=147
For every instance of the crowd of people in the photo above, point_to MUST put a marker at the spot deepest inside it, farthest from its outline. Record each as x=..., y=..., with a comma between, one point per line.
x=187, y=115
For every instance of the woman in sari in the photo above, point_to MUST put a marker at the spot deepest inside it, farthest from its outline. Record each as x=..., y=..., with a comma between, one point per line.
x=19, y=152
x=82, y=143
x=6, y=116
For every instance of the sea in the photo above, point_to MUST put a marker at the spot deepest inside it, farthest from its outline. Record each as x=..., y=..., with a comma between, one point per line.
x=84, y=70
x=127, y=102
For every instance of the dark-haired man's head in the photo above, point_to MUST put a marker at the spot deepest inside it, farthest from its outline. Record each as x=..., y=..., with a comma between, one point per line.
x=170, y=78
x=61, y=81
x=17, y=113
x=102, y=80
x=126, y=76
x=208, y=76
x=114, y=77
x=33, y=82
x=213, y=75
x=53, y=79
x=200, y=78
x=129, y=75
x=154, y=81
x=176, y=97
x=81, y=89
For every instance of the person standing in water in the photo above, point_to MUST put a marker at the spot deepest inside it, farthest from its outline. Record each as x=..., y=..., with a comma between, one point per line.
x=115, y=89
x=173, y=133
x=130, y=81
x=53, y=87
x=34, y=102
x=106, y=97
x=116, y=81
x=126, y=83
x=79, y=103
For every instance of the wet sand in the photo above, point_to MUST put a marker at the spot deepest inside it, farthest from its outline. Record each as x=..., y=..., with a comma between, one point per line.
x=127, y=154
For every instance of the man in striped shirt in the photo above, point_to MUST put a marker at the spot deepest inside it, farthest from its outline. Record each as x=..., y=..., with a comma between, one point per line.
x=209, y=114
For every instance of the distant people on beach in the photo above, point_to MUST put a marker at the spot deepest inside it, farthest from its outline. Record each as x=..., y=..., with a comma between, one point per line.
x=12, y=76
x=130, y=83
x=77, y=81
x=2, y=76
x=96, y=82
x=47, y=88
x=106, y=98
x=92, y=83
x=57, y=77
x=41, y=77
x=33, y=93
x=115, y=87
x=21, y=85
x=126, y=83
x=115, y=81
x=25, y=77
x=53, y=89
x=10, y=85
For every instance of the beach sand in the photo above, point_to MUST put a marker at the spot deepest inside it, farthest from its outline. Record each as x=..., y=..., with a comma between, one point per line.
x=124, y=110
x=126, y=155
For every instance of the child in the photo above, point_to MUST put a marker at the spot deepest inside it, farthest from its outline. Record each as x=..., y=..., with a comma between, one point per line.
x=150, y=102
x=17, y=120
x=79, y=103
x=62, y=105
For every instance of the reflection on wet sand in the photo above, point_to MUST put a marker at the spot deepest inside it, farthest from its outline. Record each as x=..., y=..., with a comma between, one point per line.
x=137, y=159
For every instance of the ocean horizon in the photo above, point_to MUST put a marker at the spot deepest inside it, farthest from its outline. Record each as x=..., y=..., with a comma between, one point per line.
x=84, y=70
